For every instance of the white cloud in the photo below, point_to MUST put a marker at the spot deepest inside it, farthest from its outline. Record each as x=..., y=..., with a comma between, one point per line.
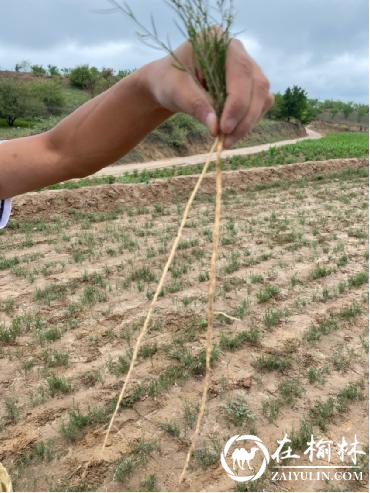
x=320, y=45
x=343, y=75
x=251, y=44
x=116, y=54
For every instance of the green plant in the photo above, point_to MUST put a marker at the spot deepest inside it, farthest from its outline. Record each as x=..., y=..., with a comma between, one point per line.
x=170, y=428
x=320, y=271
x=301, y=438
x=322, y=412
x=210, y=45
x=148, y=350
x=237, y=412
x=271, y=408
x=149, y=483
x=290, y=390
x=84, y=77
x=124, y=469
x=255, y=278
x=11, y=409
x=317, y=375
x=190, y=412
x=58, y=385
x=351, y=392
x=55, y=358
x=272, y=317
x=351, y=311
x=206, y=456
x=72, y=429
x=16, y=100
x=359, y=279
x=234, y=342
x=325, y=327
x=118, y=367
x=141, y=450
x=294, y=104
x=266, y=293
x=273, y=362
x=242, y=309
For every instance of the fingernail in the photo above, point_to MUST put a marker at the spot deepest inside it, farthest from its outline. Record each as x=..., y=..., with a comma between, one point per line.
x=229, y=126
x=229, y=142
x=211, y=123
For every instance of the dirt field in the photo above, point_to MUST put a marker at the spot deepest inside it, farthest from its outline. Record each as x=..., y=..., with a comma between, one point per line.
x=77, y=269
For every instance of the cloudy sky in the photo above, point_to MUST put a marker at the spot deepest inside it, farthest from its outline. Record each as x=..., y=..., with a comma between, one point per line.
x=321, y=45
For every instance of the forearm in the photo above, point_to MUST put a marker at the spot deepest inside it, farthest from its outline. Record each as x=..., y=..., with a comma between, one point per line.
x=95, y=135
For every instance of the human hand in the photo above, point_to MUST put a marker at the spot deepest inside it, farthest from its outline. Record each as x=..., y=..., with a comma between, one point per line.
x=248, y=91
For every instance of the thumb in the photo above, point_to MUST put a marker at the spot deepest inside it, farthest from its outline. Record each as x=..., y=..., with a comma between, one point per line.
x=194, y=100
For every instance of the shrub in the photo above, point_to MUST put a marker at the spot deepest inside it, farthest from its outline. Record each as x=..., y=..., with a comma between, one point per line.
x=17, y=101
x=38, y=70
x=84, y=77
x=50, y=94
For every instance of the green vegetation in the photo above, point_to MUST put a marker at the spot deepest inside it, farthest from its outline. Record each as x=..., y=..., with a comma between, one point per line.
x=322, y=412
x=301, y=437
x=209, y=45
x=29, y=100
x=138, y=455
x=170, y=428
x=237, y=412
x=58, y=385
x=235, y=342
x=273, y=362
x=324, y=327
x=266, y=293
x=332, y=146
x=72, y=429
x=293, y=104
x=11, y=409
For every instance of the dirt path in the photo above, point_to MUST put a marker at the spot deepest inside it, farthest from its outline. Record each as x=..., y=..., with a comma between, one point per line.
x=199, y=158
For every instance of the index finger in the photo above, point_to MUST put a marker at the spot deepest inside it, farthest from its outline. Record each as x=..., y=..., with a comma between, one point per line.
x=240, y=69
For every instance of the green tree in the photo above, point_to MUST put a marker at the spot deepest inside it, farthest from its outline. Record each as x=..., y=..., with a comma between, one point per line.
x=38, y=70
x=295, y=105
x=53, y=71
x=348, y=109
x=125, y=72
x=275, y=112
x=16, y=100
x=85, y=77
x=22, y=66
x=51, y=95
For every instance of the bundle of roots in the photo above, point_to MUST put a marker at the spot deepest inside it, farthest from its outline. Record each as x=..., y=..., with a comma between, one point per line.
x=210, y=47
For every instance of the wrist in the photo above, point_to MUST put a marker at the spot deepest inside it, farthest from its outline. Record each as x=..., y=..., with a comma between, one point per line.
x=147, y=79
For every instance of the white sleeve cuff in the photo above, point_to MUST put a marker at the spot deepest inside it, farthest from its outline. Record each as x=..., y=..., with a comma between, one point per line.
x=5, y=208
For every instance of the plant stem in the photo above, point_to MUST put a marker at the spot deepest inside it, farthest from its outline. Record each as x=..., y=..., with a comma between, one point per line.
x=211, y=297
x=145, y=327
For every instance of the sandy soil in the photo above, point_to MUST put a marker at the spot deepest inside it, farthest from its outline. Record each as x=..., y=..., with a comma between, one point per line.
x=77, y=270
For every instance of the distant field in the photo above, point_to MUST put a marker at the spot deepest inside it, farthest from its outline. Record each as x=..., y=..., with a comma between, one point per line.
x=332, y=146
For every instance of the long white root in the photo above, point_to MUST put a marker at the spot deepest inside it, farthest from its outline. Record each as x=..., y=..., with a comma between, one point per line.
x=211, y=296
x=217, y=144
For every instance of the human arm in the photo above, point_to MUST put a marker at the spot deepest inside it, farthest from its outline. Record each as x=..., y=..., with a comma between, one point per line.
x=110, y=125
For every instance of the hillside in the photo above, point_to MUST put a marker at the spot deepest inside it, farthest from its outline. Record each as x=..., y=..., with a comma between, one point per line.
x=179, y=136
